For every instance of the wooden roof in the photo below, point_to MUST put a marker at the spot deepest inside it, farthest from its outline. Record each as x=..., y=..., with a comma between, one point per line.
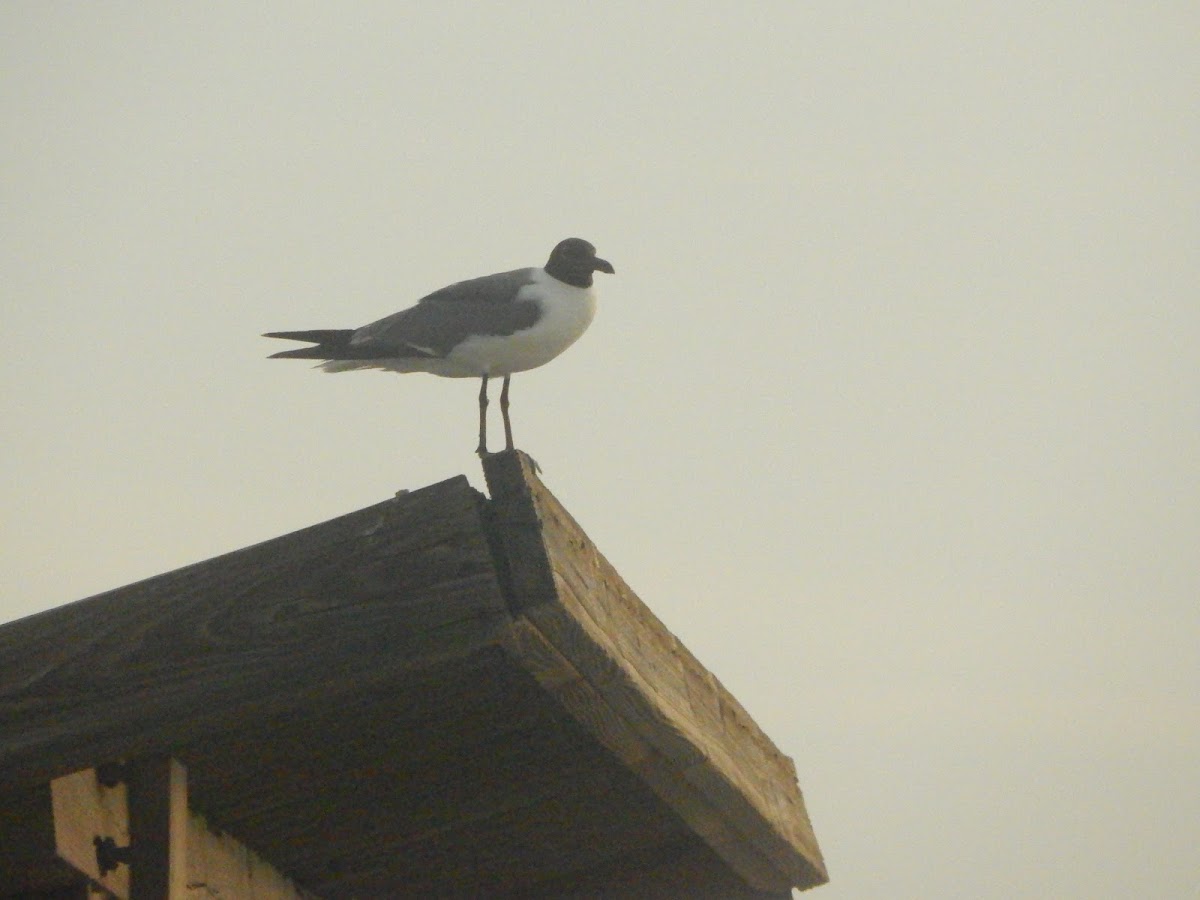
x=440, y=695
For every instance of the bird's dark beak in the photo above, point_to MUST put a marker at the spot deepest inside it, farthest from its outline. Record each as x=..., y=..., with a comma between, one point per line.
x=602, y=265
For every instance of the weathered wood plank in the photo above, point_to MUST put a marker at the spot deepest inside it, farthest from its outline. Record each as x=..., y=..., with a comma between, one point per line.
x=614, y=726
x=425, y=770
x=664, y=872
x=83, y=810
x=144, y=668
x=626, y=677
x=377, y=704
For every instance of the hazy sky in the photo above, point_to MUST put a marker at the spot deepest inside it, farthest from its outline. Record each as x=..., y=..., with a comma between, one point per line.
x=891, y=411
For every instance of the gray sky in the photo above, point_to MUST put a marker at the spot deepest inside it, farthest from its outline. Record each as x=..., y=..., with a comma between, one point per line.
x=890, y=412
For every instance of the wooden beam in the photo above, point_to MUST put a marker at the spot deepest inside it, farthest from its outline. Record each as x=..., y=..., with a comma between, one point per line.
x=158, y=823
x=221, y=866
x=589, y=640
x=172, y=850
x=83, y=810
x=401, y=585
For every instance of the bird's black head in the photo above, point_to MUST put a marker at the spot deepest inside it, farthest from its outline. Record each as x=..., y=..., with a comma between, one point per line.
x=574, y=260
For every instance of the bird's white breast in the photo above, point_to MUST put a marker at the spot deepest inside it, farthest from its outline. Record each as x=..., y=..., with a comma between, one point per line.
x=567, y=312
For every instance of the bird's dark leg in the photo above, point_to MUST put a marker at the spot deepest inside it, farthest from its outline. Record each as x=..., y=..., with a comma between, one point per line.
x=483, y=404
x=508, y=444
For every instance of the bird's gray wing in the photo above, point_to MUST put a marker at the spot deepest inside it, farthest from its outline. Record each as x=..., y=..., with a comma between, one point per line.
x=444, y=319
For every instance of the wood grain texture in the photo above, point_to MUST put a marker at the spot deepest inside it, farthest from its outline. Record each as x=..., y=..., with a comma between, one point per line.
x=468, y=781
x=621, y=727
x=439, y=695
x=624, y=675
x=141, y=669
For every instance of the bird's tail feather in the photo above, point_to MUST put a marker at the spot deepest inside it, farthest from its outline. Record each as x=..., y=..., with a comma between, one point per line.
x=331, y=343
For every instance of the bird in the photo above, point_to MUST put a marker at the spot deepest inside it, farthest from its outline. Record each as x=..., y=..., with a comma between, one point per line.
x=484, y=328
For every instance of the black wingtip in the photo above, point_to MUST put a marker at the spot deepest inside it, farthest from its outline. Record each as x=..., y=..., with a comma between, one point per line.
x=334, y=337
x=302, y=353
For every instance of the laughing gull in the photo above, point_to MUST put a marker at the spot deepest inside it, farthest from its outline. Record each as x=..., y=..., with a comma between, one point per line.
x=494, y=325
